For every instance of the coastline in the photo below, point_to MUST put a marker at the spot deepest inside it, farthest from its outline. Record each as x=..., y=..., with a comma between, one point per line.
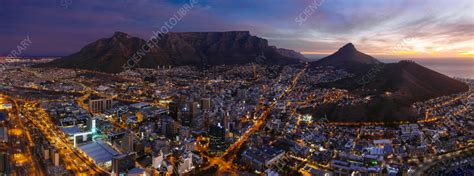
x=462, y=67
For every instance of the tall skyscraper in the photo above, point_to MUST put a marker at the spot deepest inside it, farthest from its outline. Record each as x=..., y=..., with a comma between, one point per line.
x=226, y=123
x=226, y=120
x=173, y=109
x=91, y=125
x=185, y=115
x=217, y=138
x=167, y=127
x=127, y=142
x=207, y=120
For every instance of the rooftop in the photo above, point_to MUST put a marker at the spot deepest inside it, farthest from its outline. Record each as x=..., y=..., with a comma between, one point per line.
x=71, y=130
x=99, y=151
x=264, y=153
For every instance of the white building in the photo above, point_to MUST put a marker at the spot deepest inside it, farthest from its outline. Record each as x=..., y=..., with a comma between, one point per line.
x=186, y=165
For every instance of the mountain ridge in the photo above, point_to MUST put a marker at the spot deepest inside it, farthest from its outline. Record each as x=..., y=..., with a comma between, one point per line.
x=174, y=48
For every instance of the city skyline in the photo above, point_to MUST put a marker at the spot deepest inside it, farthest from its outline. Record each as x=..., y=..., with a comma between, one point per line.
x=211, y=87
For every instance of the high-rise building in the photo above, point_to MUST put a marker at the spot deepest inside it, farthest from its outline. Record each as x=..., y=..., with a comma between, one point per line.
x=173, y=109
x=185, y=114
x=207, y=120
x=194, y=109
x=127, y=142
x=226, y=120
x=206, y=103
x=55, y=157
x=4, y=163
x=186, y=118
x=46, y=153
x=99, y=105
x=186, y=164
x=157, y=160
x=217, y=138
x=3, y=135
x=168, y=127
x=121, y=164
x=91, y=125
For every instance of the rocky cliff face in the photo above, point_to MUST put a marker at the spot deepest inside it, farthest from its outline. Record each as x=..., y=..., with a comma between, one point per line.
x=213, y=48
x=189, y=48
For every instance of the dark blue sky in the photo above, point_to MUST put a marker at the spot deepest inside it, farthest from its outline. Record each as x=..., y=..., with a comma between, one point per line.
x=400, y=27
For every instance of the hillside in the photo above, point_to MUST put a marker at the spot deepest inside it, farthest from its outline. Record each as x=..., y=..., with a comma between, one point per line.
x=406, y=81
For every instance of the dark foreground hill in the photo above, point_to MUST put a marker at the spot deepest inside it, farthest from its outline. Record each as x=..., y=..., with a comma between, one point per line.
x=188, y=48
x=392, y=87
x=414, y=82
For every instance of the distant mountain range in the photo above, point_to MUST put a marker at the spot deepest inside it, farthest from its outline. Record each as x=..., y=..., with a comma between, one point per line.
x=405, y=81
x=187, y=48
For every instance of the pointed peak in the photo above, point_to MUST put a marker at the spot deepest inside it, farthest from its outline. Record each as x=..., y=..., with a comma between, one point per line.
x=348, y=47
x=119, y=34
x=348, y=54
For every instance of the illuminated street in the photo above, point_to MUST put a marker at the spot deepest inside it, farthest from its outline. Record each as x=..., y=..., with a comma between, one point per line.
x=74, y=160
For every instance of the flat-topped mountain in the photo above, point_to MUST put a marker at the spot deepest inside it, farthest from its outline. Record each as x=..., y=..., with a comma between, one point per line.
x=187, y=48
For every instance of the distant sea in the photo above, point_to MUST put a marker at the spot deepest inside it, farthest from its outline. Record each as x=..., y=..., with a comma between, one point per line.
x=454, y=67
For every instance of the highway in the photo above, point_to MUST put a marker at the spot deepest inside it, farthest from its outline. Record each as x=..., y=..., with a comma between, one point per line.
x=74, y=160
x=20, y=145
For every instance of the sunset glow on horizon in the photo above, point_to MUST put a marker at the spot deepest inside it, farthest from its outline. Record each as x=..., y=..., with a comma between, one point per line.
x=428, y=28
x=468, y=53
